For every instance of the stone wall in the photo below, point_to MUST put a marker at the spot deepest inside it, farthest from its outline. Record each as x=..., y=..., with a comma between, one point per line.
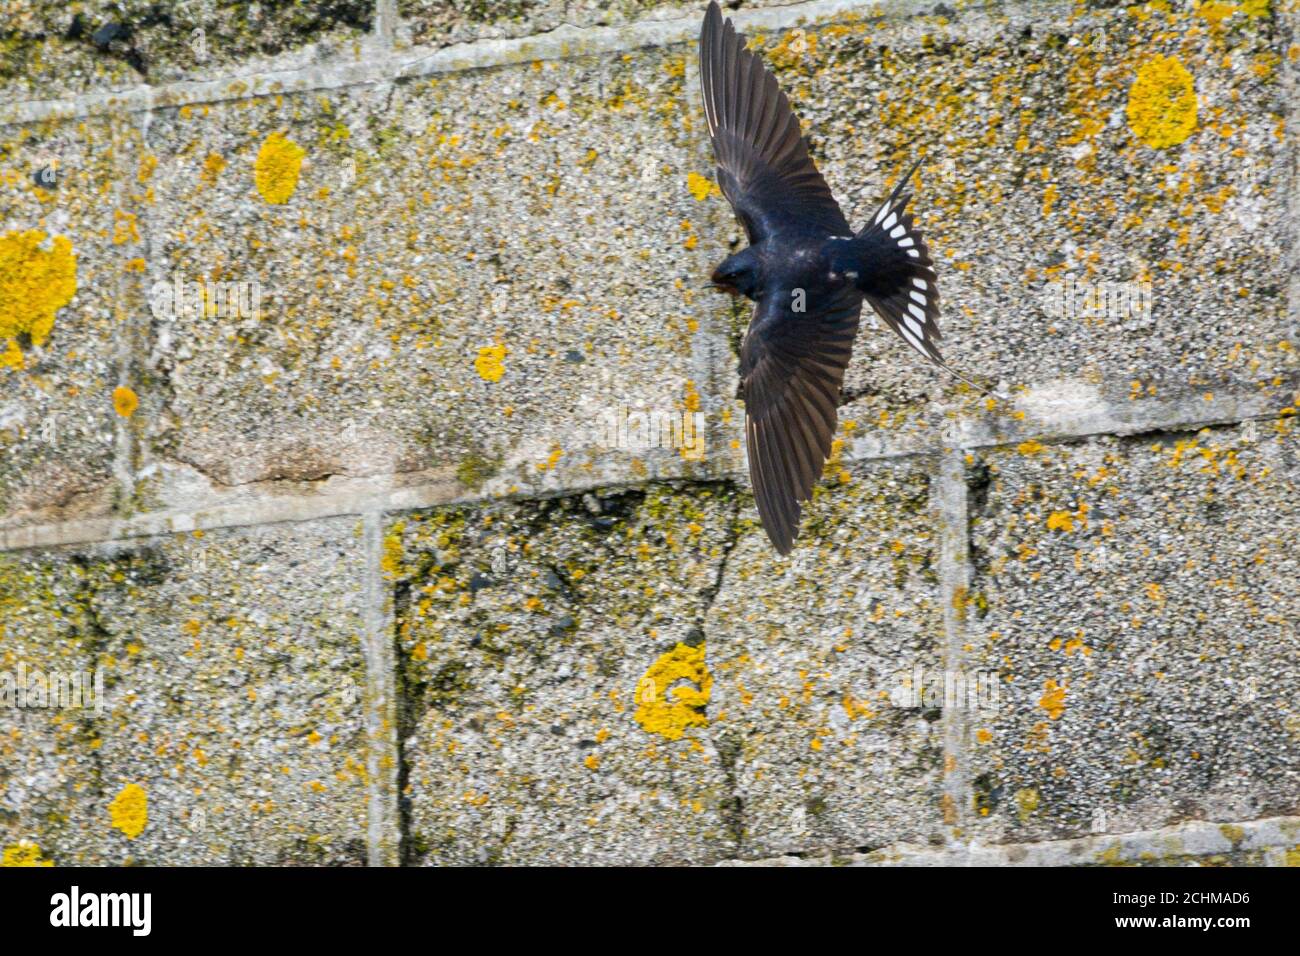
x=374, y=569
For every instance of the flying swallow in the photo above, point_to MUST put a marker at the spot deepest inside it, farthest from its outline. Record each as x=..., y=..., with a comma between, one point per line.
x=807, y=273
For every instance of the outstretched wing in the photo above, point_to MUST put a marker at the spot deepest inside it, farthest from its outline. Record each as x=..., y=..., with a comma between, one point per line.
x=763, y=164
x=792, y=365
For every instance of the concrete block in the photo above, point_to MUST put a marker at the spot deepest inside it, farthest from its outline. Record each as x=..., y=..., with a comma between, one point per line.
x=70, y=272
x=231, y=726
x=53, y=50
x=1134, y=598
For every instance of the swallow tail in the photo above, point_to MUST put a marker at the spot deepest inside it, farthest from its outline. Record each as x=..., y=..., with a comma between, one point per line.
x=896, y=275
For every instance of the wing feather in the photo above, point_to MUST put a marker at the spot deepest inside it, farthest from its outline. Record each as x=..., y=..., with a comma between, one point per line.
x=792, y=367
x=764, y=168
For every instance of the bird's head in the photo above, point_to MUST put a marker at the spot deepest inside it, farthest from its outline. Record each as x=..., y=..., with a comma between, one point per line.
x=738, y=274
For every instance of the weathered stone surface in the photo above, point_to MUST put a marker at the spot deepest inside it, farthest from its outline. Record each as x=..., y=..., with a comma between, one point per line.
x=443, y=22
x=1136, y=598
x=471, y=272
x=537, y=727
x=530, y=633
x=465, y=275
x=1270, y=842
x=50, y=49
x=69, y=242
x=233, y=679
x=813, y=658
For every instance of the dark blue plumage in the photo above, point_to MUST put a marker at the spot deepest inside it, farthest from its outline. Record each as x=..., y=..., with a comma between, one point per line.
x=807, y=272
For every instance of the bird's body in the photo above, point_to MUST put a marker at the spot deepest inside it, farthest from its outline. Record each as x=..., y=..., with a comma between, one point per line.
x=807, y=272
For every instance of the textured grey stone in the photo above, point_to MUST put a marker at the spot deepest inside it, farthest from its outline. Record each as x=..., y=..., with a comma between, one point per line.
x=527, y=632
x=529, y=629
x=523, y=180
x=810, y=654
x=1010, y=113
x=234, y=685
x=1270, y=842
x=442, y=22
x=1135, y=598
x=541, y=210
x=58, y=428
x=53, y=49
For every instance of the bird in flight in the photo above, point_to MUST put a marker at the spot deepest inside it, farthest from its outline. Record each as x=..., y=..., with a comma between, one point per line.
x=807, y=273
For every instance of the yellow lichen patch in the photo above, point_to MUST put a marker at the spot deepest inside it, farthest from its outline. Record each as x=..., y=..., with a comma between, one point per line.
x=1060, y=521
x=276, y=170
x=668, y=710
x=126, y=227
x=12, y=356
x=1162, y=103
x=691, y=397
x=125, y=401
x=212, y=167
x=1053, y=699
x=1216, y=11
x=23, y=853
x=701, y=187
x=129, y=811
x=491, y=363
x=394, y=551
x=34, y=284
x=552, y=459
x=1026, y=803
x=1049, y=199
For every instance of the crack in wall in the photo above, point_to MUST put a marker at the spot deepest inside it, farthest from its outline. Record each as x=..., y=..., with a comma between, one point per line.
x=728, y=744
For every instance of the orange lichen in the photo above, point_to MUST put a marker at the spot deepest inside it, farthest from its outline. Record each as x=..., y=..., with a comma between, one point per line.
x=34, y=284
x=23, y=853
x=212, y=167
x=1053, y=699
x=1162, y=103
x=125, y=228
x=667, y=710
x=279, y=162
x=125, y=401
x=129, y=811
x=490, y=363
x=394, y=551
x=1060, y=521
x=701, y=187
